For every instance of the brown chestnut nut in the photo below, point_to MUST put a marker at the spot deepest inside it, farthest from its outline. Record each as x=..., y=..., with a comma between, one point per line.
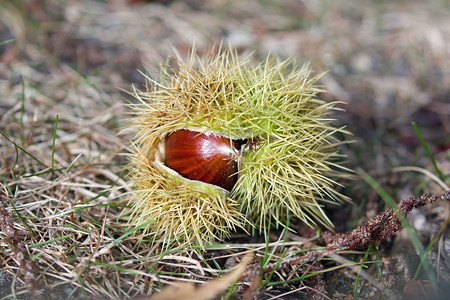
x=207, y=157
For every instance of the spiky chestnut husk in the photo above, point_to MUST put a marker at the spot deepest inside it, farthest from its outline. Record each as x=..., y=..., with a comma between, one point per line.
x=286, y=167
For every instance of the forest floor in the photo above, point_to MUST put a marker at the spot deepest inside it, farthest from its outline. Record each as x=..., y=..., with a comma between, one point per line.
x=64, y=67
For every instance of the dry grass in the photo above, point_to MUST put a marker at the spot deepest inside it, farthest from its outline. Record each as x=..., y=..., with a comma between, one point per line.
x=62, y=65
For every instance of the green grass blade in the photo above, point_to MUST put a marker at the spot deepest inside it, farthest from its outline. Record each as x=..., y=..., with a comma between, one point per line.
x=5, y=183
x=427, y=150
x=127, y=234
x=379, y=263
x=22, y=105
x=430, y=245
x=355, y=290
x=53, y=143
x=6, y=42
x=404, y=222
x=49, y=241
x=24, y=151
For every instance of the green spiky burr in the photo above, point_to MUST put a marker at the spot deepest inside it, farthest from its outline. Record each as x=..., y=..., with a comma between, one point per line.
x=279, y=132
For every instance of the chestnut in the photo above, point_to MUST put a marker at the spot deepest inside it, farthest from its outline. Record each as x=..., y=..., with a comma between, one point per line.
x=221, y=144
x=207, y=157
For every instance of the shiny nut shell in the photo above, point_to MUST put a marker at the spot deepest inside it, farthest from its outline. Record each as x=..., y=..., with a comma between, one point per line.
x=207, y=157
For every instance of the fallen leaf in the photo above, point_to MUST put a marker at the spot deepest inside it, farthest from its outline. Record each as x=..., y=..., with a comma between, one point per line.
x=209, y=290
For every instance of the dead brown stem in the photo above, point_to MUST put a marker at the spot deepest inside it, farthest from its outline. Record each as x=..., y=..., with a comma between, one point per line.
x=376, y=230
x=19, y=252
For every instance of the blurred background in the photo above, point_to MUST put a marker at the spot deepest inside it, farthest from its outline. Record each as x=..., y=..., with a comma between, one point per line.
x=389, y=61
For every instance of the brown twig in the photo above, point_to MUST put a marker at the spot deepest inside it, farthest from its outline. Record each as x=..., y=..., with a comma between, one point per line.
x=376, y=230
x=379, y=228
